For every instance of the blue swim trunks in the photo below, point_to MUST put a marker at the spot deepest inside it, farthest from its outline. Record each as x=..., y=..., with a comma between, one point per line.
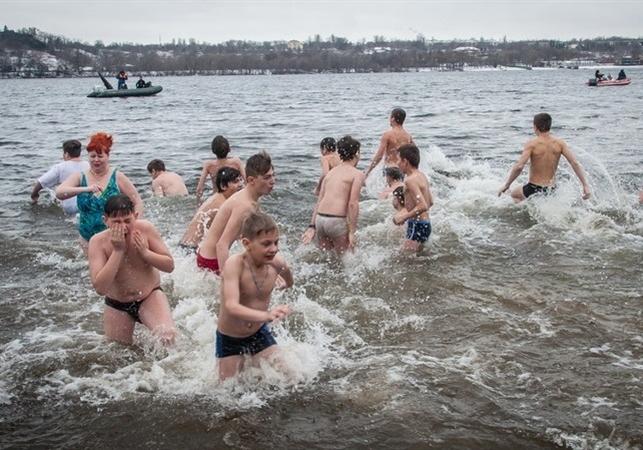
x=418, y=230
x=251, y=345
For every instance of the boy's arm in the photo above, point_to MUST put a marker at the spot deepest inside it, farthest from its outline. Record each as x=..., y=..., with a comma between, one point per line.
x=127, y=188
x=353, y=207
x=35, y=192
x=309, y=234
x=231, y=294
x=229, y=235
x=413, y=188
x=378, y=155
x=201, y=183
x=152, y=249
x=103, y=270
x=241, y=169
x=48, y=180
x=517, y=168
x=578, y=169
x=281, y=267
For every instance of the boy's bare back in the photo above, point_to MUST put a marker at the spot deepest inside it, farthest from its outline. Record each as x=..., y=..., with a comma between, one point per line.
x=336, y=189
x=545, y=155
x=392, y=140
x=168, y=184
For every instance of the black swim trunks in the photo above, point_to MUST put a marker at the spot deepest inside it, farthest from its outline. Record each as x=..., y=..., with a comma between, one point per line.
x=251, y=345
x=531, y=189
x=130, y=308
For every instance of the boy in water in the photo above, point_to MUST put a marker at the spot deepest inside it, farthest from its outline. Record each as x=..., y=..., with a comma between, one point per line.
x=417, y=200
x=328, y=160
x=164, y=183
x=334, y=218
x=226, y=226
x=247, y=282
x=228, y=181
x=124, y=264
x=391, y=141
x=543, y=153
x=394, y=180
x=221, y=148
x=71, y=164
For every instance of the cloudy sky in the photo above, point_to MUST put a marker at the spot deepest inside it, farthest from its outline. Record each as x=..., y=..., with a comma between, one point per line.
x=148, y=21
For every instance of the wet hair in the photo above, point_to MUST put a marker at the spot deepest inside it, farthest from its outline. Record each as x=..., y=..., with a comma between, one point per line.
x=118, y=205
x=394, y=172
x=100, y=142
x=255, y=224
x=347, y=148
x=220, y=147
x=72, y=147
x=328, y=143
x=258, y=164
x=411, y=153
x=398, y=114
x=156, y=164
x=225, y=176
x=398, y=193
x=542, y=121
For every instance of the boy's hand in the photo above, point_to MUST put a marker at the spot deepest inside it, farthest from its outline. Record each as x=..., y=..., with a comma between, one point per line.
x=308, y=236
x=399, y=219
x=503, y=189
x=94, y=188
x=140, y=242
x=118, y=237
x=34, y=198
x=278, y=312
x=586, y=193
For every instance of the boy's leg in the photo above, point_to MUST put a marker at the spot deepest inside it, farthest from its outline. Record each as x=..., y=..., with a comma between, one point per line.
x=156, y=315
x=517, y=194
x=340, y=243
x=411, y=246
x=118, y=325
x=229, y=366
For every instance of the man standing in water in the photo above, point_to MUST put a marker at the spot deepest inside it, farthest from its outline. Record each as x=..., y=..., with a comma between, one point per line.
x=391, y=141
x=543, y=152
x=226, y=226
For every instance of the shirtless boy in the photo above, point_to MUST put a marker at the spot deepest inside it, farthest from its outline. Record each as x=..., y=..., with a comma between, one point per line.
x=543, y=152
x=391, y=141
x=164, y=183
x=226, y=226
x=221, y=148
x=247, y=282
x=228, y=181
x=334, y=219
x=328, y=160
x=417, y=200
x=124, y=264
x=394, y=179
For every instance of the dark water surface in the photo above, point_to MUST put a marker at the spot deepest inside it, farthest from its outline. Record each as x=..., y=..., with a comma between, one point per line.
x=519, y=326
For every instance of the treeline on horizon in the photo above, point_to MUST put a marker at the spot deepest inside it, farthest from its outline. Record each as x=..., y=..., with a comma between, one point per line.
x=317, y=54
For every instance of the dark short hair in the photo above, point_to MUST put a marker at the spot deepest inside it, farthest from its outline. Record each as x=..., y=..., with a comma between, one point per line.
x=256, y=223
x=394, y=172
x=542, y=121
x=118, y=205
x=347, y=148
x=72, y=147
x=259, y=164
x=328, y=143
x=411, y=153
x=225, y=176
x=156, y=164
x=220, y=146
x=398, y=115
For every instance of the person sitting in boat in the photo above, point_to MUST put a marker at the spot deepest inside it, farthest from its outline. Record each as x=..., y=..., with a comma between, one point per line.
x=609, y=76
x=598, y=75
x=621, y=75
x=141, y=83
x=122, y=78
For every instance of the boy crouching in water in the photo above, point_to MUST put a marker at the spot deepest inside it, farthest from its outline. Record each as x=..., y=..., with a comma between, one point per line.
x=124, y=264
x=247, y=281
x=417, y=200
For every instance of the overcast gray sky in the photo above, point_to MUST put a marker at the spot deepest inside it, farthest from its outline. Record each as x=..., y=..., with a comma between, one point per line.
x=148, y=21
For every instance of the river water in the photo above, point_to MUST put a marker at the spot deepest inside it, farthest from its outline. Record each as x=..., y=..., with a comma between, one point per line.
x=518, y=327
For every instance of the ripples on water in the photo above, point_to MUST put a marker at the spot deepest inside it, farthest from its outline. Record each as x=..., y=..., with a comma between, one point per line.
x=519, y=327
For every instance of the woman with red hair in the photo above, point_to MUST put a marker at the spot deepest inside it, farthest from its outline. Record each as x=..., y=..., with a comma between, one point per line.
x=94, y=187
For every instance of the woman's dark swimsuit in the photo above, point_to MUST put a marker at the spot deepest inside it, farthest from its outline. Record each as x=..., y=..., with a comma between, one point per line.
x=92, y=207
x=130, y=308
x=531, y=189
x=251, y=345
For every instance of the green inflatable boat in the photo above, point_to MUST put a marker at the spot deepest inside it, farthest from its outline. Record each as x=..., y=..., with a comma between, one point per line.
x=139, y=92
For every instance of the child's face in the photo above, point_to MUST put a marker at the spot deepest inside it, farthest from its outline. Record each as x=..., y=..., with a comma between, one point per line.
x=122, y=220
x=263, y=248
x=234, y=186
